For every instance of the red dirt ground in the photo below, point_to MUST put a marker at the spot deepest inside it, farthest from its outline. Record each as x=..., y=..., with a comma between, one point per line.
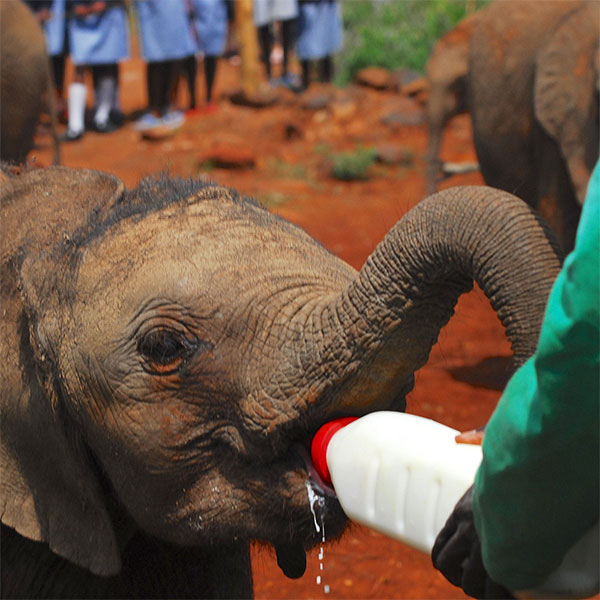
x=460, y=384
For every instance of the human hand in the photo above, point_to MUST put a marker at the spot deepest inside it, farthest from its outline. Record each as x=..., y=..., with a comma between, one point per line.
x=473, y=436
x=457, y=553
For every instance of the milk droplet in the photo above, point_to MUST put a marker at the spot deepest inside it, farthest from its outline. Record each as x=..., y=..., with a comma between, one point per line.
x=312, y=500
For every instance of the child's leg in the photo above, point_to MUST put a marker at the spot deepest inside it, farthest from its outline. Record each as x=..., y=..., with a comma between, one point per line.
x=265, y=41
x=287, y=42
x=326, y=69
x=105, y=87
x=210, y=70
x=172, y=74
x=190, y=69
x=157, y=85
x=76, y=102
x=305, y=64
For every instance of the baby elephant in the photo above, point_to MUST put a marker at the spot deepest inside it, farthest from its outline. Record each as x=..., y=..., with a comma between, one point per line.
x=167, y=350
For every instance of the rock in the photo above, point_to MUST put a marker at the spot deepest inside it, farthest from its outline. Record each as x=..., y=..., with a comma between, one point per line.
x=417, y=89
x=375, y=77
x=404, y=77
x=343, y=110
x=316, y=101
x=390, y=154
x=317, y=96
x=230, y=156
x=263, y=98
x=406, y=112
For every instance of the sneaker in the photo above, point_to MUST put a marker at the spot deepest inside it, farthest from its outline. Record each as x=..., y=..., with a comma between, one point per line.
x=172, y=119
x=71, y=136
x=107, y=127
x=292, y=82
x=147, y=121
x=116, y=116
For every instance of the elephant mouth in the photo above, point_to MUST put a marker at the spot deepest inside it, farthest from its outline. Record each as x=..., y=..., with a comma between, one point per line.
x=326, y=514
x=314, y=479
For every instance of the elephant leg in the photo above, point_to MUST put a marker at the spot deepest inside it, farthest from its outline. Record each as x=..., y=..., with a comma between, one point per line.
x=556, y=200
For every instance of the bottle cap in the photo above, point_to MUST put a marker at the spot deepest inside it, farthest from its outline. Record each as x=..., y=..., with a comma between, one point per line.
x=318, y=448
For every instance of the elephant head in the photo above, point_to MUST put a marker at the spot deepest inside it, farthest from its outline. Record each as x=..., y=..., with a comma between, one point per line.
x=167, y=349
x=447, y=70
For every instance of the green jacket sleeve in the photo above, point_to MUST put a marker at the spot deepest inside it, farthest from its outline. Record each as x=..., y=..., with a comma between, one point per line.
x=537, y=489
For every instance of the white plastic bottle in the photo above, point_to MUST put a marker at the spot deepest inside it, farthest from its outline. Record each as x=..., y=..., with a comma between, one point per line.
x=402, y=475
x=397, y=473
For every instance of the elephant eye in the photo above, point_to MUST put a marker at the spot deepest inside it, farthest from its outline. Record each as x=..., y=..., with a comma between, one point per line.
x=164, y=350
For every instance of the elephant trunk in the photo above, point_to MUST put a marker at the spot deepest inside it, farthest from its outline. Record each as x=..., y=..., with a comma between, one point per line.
x=436, y=119
x=381, y=328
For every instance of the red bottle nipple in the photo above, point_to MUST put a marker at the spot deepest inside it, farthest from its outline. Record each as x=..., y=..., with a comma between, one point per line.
x=318, y=448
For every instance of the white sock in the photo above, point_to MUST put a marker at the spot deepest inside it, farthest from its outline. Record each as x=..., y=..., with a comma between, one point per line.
x=104, y=97
x=76, y=102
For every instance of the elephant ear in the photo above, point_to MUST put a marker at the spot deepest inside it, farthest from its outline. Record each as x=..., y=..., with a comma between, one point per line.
x=50, y=490
x=565, y=92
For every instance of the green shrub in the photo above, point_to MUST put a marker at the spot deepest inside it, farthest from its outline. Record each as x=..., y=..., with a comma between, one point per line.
x=394, y=33
x=349, y=166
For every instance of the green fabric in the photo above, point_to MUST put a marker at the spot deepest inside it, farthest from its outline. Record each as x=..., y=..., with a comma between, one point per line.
x=537, y=489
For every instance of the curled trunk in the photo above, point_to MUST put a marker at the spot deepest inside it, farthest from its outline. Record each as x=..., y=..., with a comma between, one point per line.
x=381, y=328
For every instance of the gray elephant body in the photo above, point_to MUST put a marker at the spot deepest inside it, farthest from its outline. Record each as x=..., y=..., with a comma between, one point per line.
x=166, y=350
x=533, y=97
x=24, y=80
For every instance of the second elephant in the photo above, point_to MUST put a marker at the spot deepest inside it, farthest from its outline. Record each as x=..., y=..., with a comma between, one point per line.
x=533, y=95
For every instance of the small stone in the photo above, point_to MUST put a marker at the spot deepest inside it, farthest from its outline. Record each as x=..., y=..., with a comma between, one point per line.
x=390, y=154
x=343, y=110
x=263, y=98
x=230, y=156
x=374, y=77
x=406, y=112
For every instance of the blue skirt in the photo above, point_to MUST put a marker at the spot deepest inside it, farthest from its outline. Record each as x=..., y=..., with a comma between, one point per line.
x=100, y=38
x=210, y=23
x=319, y=29
x=165, y=30
x=54, y=29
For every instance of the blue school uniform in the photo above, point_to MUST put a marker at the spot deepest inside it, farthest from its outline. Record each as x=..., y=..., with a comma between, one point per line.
x=165, y=30
x=55, y=28
x=269, y=11
x=99, y=38
x=319, y=29
x=210, y=23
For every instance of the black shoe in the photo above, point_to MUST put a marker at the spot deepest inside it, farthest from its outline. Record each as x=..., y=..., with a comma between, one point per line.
x=107, y=127
x=70, y=136
x=116, y=117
